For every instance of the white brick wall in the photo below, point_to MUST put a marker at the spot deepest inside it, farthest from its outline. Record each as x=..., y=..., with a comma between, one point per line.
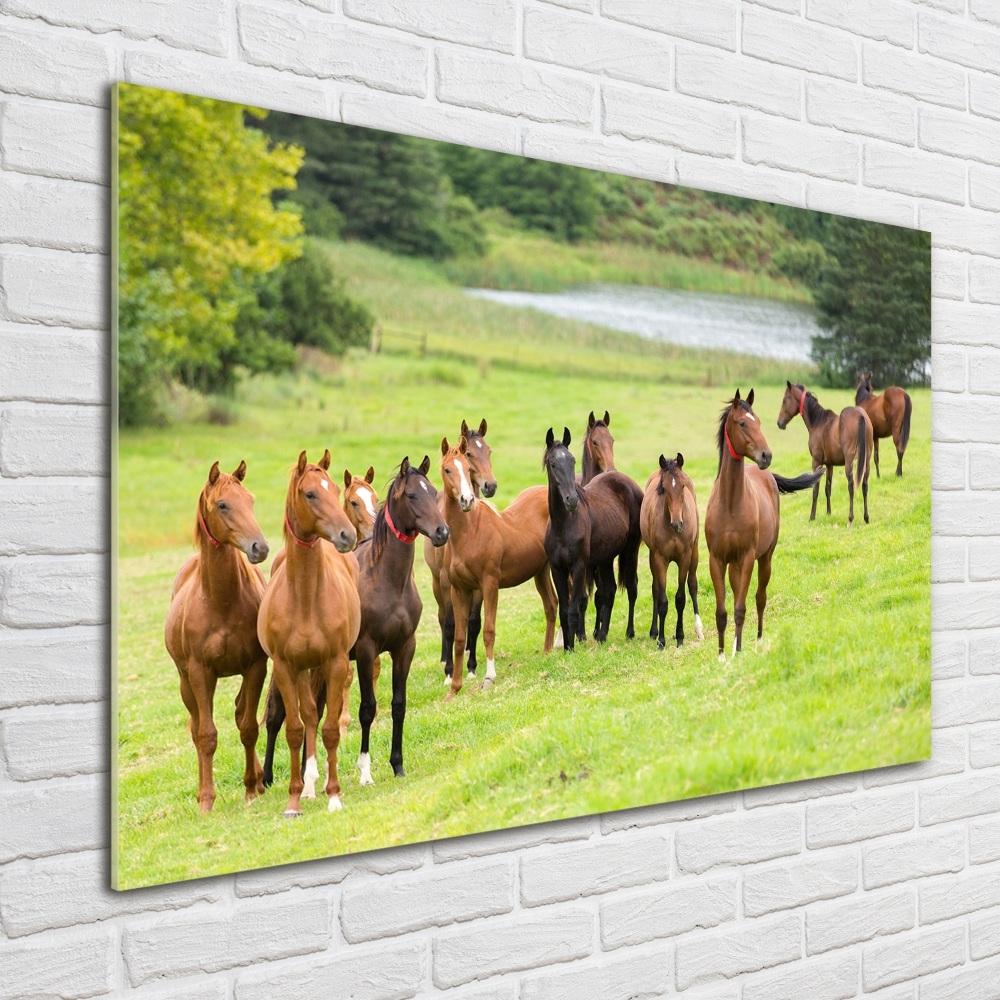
x=885, y=883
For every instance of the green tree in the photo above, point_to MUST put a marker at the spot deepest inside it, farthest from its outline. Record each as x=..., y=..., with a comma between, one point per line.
x=873, y=297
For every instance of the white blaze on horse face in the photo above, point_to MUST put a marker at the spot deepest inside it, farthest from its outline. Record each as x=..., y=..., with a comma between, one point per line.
x=673, y=483
x=309, y=779
x=366, y=499
x=324, y=484
x=464, y=486
x=365, y=767
x=479, y=444
x=750, y=416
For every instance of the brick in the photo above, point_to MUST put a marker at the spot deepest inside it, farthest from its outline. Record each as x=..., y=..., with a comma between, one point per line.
x=984, y=280
x=59, y=743
x=855, y=109
x=329, y=871
x=429, y=121
x=550, y=875
x=946, y=479
x=949, y=369
x=39, y=439
x=711, y=22
x=959, y=42
x=961, y=229
x=731, y=80
x=859, y=203
x=52, y=518
x=512, y=88
x=668, y=911
x=916, y=174
x=984, y=188
x=47, y=592
x=52, y=366
x=385, y=973
x=799, y=148
x=53, y=818
x=518, y=838
x=586, y=5
x=984, y=936
x=876, y=19
x=950, y=896
x=958, y=799
x=831, y=979
x=53, y=667
x=958, y=323
x=905, y=958
x=959, y=135
x=395, y=905
x=985, y=10
x=963, y=703
x=226, y=80
x=204, y=942
x=756, y=945
x=734, y=178
x=597, y=48
x=321, y=47
x=902, y=73
x=668, y=812
x=785, y=886
x=858, y=818
x=54, y=140
x=80, y=966
x=76, y=69
x=72, y=891
x=632, y=977
x=859, y=919
x=948, y=560
x=598, y=152
x=512, y=945
x=984, y=560
x=189, y=24
x=742, y=839
x=947, y=753
x=915, y=857
x=984, y=468
x=788, y=6
x=980, y=982
x=55, y=288
x=213, y=990
x=486, y=24
x=963, y=607
x=984, y=96
x=984, y=653
x=684, y=125
x=799, y=791
x=799, y=44
x=984, y=747
x=947, y=278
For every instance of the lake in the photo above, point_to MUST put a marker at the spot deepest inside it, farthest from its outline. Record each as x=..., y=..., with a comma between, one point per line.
x=762, y=327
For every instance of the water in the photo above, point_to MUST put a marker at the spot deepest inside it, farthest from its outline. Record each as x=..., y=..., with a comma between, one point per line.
x=761, y=327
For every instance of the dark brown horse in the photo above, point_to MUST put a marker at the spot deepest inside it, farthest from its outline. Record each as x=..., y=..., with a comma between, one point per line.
x=889, y=414
x=598, y=448
x=742, y=522
x=589, y=527
x=834, y=439
x=309, y=620
x=490, y=550
x=669, y=522
x=211, y=629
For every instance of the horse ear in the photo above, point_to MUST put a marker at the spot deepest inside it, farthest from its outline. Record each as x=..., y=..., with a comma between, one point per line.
x=607, y=419
x=302, y=462
x=347, y=478
x=566, y=437
x=750, y=398
x=324, y=462
x=590, y=420
x=213, y=474
x=482, y=427
x=444, y=446
x=463, y=445
x=370, y=474
x=241, y=471
x=679, y=461
x=404, y=466
x=736, y=398
x=549, y=438
x=425, y=465
x=465, y=427
x=663, y=462
x=788, y=383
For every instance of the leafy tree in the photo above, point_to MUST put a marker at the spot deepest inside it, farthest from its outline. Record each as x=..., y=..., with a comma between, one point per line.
x=873, y=296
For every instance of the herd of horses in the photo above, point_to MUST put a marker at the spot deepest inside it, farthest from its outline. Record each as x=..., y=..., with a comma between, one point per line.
x=341, y=592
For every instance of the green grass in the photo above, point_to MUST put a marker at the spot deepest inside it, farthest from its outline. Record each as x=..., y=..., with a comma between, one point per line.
x=842, y=683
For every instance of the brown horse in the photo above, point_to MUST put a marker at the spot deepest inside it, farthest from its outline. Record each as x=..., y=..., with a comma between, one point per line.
x=598, y=448
x=741, y=522
x=834, y=439
x=361, y=502
x=211, y=629
x=484, y=482
x=889, y=414
x=669, y=522
x=310, y=618
x=490, y=550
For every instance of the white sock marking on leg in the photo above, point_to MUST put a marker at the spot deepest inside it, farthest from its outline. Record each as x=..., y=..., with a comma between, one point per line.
x=365, y=767
x=699, y=632
x=309, y=779
x=491, y=670
x=334, y=805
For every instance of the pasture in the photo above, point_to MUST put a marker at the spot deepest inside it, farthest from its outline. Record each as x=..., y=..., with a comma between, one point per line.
x=842, y=682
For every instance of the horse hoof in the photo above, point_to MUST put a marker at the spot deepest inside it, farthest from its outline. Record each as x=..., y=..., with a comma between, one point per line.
x=334, y=805
x=399, y=773
x=291, y=814
x=487, y=684
x=366, y=779
x=472, y=674
x=307, y=795
x=722, y=657
x=450, y=696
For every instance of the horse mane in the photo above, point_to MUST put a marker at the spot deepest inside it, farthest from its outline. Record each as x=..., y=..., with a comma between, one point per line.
x=720, y=436
x=380, y=530
x=209, y=493
x=864, y=391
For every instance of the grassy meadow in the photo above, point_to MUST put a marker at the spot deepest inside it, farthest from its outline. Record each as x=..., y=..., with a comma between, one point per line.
x=842, y=682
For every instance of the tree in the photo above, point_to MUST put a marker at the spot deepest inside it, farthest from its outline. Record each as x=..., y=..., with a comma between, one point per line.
x=873, y=296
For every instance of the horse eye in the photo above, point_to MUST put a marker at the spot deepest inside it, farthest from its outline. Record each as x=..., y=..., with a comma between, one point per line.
x=221, y=505
x=354, y=503
x=743, y=423
x=310, y=495
x=411, y=496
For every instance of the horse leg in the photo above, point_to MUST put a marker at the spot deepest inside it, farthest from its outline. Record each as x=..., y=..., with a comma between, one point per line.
x=680, y=601
x=567, y=625
x=448, y=639
x=439, y=583
x=191, y=704
x=658, y=569
x=718, y=573
x=604, y=578
x=206, y=737
x=692, y=580
x=274, y=719
x=550, y=605
x=246, y=721
x=812, y=513
x=400, y=672
x=878, y=475
x=864, y=492
x=628, y=570
x=461, y=601
x=335, y=676
x=310, y=720
x=317, y=691
x=653, y=630
x=829, y=488
x=896, y=439
x=366, y=712
x=475, y=628
x=293, y=735
x=491, y=587
x=578, y=601
x=345, y=705
x=763, y=576
x=739, y=580
x=848, y=468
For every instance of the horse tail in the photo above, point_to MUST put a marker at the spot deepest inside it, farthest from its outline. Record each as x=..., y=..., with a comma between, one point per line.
x=904, y=437
x=863, y=457
x=803, y=482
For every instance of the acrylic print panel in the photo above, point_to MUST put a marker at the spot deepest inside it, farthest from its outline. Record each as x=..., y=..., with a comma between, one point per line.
x=307, y=309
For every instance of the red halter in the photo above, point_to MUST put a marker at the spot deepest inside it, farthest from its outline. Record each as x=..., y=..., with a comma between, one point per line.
x=802, y=404
x=408, y=539
x=729, y=445
x=305, y=545
x=204, y=527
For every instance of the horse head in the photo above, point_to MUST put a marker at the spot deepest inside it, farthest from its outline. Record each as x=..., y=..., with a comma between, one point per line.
x=599, y=442
x=479, y=459
x=671, y=487
x=456, y=473
x=361, y=502
x=312, y=506
x=791, y=403
x=740, y=433
x=560, y=465
x=225, y=513
x=414, y=506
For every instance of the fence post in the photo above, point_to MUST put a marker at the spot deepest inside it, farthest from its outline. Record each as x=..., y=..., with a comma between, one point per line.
x=376, y=344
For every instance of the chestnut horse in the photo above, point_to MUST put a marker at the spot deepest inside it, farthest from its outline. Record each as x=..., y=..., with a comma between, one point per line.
x=741, y=522
x=483, y=481
x=598, y=448
x=489, y=550
x=889, y=414
x=833, y=440
x=309, y=620
x=361, y=502
x=589, y=527
x=211, y=629
x=669, y=522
